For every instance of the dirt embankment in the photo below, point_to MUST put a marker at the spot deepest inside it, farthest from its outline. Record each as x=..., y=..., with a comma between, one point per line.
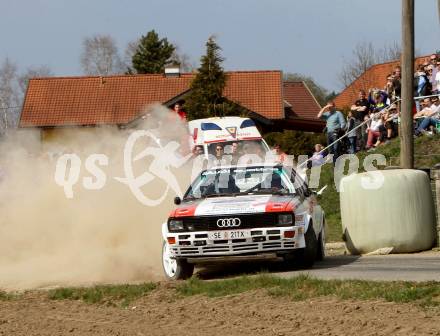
x=251, y=313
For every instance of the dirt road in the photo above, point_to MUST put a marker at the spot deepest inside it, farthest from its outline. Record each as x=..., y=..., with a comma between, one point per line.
x=252, y=313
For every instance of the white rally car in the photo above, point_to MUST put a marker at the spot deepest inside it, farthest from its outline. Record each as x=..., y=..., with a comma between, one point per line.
x=243, y=213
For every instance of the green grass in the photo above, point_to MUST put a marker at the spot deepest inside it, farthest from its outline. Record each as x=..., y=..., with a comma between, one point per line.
x=6, y=296
x=303, y=287
x=121, y=295
x=424, y=147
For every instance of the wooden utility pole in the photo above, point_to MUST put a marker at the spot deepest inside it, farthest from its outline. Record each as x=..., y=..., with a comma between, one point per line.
x=407, y=61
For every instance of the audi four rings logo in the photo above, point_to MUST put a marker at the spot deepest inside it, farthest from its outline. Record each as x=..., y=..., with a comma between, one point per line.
x=228, y=222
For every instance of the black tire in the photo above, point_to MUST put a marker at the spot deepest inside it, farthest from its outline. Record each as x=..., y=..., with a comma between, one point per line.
x=175, y=269
x=321, y=243
x=305, y=257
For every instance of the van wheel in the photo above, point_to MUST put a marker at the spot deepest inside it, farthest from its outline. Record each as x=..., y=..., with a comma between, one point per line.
x=175, y=269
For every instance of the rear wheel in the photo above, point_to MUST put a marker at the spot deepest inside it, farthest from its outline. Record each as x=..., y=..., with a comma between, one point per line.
x=305, y=257
x=175, y=269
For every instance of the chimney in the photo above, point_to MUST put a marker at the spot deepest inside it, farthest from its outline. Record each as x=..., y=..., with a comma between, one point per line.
x=172, y=70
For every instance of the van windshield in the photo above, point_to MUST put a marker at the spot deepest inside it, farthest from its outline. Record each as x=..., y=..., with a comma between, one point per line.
x=240, y=147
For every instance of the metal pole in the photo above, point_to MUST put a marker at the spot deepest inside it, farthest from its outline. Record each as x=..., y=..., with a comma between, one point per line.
x=406, y=135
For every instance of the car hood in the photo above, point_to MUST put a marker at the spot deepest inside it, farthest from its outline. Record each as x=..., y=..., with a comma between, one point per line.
x=236, y=205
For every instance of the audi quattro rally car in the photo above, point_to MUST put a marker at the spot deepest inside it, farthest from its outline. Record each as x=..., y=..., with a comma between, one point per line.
x=243, y=212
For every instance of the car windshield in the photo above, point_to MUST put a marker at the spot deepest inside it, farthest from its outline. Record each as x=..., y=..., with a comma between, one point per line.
x=237, y=180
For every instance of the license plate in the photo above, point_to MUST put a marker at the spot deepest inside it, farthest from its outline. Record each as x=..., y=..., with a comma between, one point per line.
x=223, y=235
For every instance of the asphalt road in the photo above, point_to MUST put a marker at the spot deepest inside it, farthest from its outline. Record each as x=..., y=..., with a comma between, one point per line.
x=405, y=267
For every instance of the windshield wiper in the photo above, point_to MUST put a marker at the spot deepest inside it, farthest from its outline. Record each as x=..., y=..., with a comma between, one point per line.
x=219, y=194
x=271, y=191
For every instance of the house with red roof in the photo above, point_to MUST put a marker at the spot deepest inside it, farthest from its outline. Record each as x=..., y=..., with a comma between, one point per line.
x=374, y=77
x=119, y=100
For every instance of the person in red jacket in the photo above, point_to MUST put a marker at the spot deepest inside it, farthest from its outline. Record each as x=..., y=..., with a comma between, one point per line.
x=180, y=112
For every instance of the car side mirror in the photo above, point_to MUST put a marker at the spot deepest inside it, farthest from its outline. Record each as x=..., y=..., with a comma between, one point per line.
x=177, y=200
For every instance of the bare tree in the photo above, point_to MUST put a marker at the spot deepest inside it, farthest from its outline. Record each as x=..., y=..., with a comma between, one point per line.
x=9, y=95
x=32, y=72
x=364, y=56
x=100, y=56
x=184, y=60
x=130, y=50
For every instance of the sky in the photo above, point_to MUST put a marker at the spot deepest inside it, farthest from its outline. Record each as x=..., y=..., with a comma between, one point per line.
x=311, y=37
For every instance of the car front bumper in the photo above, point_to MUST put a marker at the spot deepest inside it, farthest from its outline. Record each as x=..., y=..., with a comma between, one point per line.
x=270, y=239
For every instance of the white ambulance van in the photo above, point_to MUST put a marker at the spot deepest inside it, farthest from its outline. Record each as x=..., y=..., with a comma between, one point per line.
x=226, y=130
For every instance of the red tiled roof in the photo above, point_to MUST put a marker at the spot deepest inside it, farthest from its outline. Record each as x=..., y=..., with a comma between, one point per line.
x=298, y=95
x=59, y=101
x=374, y=77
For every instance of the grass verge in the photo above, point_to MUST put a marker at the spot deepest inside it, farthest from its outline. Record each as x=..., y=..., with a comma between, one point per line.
x=6, y=296
x=114, y=295
x=425, y=294
x=427, y=154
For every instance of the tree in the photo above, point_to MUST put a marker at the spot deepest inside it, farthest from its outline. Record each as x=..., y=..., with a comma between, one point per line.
x=32, y=72
x=365, y=55
x=100, y=56
x=9, y=95
x=183, y=60
x=319, y=92
x=206, y=96
x=152, y=54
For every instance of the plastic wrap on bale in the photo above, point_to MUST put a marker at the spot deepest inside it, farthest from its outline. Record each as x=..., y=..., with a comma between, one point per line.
x=397, y=213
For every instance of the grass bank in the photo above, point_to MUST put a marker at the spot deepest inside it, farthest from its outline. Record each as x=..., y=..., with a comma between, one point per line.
x=427, y=154
x=117, y=295
x=303, y=287
x=426, y=294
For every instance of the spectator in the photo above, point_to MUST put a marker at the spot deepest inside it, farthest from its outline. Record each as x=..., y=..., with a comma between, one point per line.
x=280, y=156
x=425, y=109
x=437, y=77
x=352, y=136
x=379, y=102
x=421, y=84
x=433, y=62
x=397, y=83
x=360, y=109
x=235, y=155
x=335, y=122
x=318, y=158
x=198, y=150
x=179, y=110
x=431, y=114
x=389, y=87
x=386, y=129
x=373, y=131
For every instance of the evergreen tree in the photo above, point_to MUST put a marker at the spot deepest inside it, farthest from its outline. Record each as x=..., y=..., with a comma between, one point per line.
x=152, y=54
x=206, y=96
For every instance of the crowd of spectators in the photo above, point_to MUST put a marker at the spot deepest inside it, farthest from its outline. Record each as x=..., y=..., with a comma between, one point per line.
x=374, y=117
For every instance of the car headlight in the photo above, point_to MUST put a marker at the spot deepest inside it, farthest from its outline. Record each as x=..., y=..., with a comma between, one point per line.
x=285, y=219
x=175, y=225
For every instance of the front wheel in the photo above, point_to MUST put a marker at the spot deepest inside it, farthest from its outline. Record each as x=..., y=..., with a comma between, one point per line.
x=175, y=269
x=321, y=243
x=305, y=257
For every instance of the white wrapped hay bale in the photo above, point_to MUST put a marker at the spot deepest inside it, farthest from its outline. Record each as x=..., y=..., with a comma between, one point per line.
x=393, y=210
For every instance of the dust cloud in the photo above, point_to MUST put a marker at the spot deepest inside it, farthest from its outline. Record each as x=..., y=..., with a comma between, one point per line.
x=98, y=236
